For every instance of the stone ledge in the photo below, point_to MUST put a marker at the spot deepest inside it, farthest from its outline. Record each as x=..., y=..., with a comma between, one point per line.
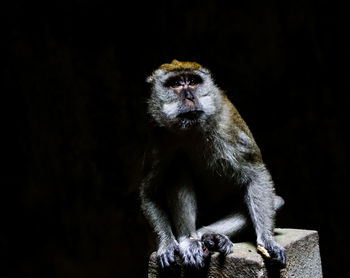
x=303, y=260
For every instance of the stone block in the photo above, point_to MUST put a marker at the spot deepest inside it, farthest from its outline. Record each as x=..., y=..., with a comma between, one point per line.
x=302, y=251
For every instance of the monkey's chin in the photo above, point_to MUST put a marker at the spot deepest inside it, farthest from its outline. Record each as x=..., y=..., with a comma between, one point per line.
x=191, y=115
x=190, y=119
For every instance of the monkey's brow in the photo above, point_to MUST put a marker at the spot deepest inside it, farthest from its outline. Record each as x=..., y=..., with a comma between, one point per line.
x=173, y=79
x=183, y=77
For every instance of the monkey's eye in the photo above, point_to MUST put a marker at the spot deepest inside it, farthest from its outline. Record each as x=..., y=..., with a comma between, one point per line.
x=194, y=80
x=174, y=82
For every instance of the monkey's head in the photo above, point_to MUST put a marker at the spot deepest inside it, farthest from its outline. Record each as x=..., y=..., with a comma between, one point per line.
x=183, y=95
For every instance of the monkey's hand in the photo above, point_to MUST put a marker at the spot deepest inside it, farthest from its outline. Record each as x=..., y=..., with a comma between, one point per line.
x=166, y=254
x=272, y=251
x=218, y=242
x=193, y=252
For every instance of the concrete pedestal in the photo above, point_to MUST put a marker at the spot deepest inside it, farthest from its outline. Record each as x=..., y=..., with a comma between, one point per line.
x=302, y=251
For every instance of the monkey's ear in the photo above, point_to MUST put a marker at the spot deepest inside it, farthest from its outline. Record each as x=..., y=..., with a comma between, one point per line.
x=150, y=79
x=155, y=76
x=205, y=71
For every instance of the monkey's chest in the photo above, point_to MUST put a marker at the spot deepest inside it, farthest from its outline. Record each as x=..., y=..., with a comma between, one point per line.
x=217, y=195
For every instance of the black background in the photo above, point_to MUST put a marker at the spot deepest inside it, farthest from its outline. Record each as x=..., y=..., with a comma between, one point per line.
x=74, y=121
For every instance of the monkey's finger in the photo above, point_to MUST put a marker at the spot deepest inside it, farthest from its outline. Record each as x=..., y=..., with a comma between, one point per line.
x=163, y=261
x=225, y=245
x=160, y=263
x=228, y=248
x=281, y=259
x=170, y=257
x=199, y=260
x=278, y=256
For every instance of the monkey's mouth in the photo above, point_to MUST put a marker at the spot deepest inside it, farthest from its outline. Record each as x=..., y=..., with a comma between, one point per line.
x=191, y=115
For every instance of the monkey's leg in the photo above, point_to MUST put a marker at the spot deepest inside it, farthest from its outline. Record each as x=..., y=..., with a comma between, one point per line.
x=183, y=206
x=216, y=236
x=234, y=223
x=229, y=226
x=260, y=200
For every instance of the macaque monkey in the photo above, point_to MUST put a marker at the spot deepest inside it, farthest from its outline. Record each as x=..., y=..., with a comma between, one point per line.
x=204, y=178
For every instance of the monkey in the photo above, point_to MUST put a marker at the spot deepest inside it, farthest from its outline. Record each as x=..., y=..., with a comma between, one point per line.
x=204, y=180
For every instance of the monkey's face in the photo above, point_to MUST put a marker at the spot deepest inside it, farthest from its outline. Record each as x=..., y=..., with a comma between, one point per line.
x=183, y=99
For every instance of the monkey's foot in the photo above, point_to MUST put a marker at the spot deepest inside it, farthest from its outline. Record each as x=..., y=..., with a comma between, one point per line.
x=218, y=242
x=193, y=252
x=166, y=255
x=274, y=253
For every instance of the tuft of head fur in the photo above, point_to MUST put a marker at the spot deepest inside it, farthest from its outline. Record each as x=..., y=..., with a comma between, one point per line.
x=176, y=66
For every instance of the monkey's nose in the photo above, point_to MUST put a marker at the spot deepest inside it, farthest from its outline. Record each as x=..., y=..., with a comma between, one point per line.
x=188, y=95
x=190, y=103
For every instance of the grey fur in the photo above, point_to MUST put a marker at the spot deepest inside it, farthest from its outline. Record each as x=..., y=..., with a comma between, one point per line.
x=218, y=145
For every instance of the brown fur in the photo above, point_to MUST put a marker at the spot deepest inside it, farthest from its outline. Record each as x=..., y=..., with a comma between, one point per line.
x=178, y=65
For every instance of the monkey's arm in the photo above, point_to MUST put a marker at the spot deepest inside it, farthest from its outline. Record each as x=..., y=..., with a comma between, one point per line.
x=156, y=214
x=157, y=217
x=261, y=201
x=183, y=206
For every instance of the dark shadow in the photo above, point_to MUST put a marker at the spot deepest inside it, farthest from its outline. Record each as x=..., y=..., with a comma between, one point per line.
x=179, y=271
x=273, y=270
x=221, y=259
x=196, y=273
x=171, y=272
